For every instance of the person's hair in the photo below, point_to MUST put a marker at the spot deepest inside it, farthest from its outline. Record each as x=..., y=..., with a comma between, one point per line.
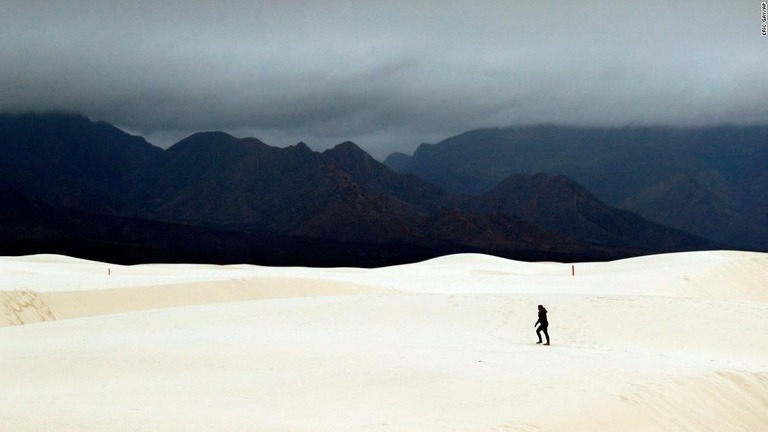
x=541, y=307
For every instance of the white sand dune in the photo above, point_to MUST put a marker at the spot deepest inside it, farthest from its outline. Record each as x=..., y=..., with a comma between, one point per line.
x=662, y=343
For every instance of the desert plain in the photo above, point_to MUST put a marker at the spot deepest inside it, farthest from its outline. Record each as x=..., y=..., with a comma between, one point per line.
x=675, y=342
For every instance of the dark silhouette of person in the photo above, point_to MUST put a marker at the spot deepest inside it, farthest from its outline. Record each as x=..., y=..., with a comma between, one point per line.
x=543, y=324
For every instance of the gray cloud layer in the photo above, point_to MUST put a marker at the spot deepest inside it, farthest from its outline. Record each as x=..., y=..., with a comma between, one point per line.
x=386, y=74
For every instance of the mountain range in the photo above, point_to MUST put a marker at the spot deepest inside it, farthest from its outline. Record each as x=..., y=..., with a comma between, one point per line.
x=71, y=185
x=708, y=181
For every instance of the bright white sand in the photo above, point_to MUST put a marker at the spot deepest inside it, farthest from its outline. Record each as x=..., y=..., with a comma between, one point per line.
x=664, y=343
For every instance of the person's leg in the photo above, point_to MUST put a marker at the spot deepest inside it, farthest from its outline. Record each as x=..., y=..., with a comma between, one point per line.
x=544, y=329
x=538, y=333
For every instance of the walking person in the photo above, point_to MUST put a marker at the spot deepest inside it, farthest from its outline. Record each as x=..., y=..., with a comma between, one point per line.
x=543, y=324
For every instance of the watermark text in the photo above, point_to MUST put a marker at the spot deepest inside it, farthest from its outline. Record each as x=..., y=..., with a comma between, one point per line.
x=764, y=18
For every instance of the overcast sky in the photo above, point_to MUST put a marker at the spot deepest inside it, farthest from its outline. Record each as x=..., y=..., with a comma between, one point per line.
x=385, y=74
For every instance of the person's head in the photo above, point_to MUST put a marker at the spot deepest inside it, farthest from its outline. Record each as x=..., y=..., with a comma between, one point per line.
x=541, y=307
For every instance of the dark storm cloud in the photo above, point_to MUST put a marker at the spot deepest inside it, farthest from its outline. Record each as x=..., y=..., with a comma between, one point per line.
x=385, y=74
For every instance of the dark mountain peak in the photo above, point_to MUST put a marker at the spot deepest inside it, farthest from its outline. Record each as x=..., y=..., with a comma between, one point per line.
x=213, y=135
x=347, y=151
x=526, y=195
x=216, y=143
x=206, y=138
x=301, y=148
x=64, y=128
x=219, y=137
x=66, y=136
x=357, y=162
x=297, y=155
x=348, y=145
x=372, y=173
x=561, y=205
x=68, y=160
x=541, y=182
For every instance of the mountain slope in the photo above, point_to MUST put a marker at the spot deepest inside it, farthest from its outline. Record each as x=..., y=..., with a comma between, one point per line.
x=96, y=190
x=560, y=205
x=342, y=194
x=216, y=179
x=644, y=170
x=68, y=160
